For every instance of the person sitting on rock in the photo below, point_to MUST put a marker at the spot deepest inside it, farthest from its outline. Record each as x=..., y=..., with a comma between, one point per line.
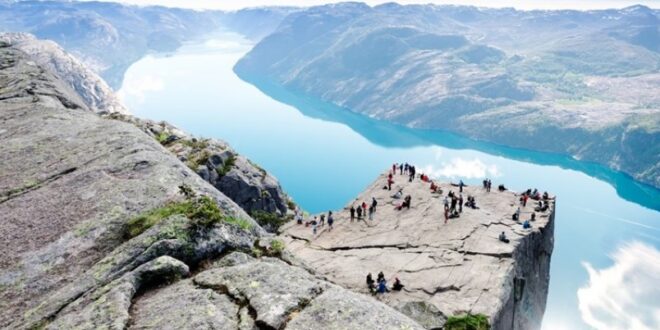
x=371, y=283
x=381, y=276
x=516, y=215
x=407, y=201
x=501, y=188
x=454, y=214
x=397, y=285
x=398, y=194
x=527, y=225
x=503, y=238
x=382, y=287
x=545, y=196
x=533, y=218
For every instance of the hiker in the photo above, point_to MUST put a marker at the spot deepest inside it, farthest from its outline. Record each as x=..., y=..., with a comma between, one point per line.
x=371, y=213
x=374, y=203
x=490, y=183
x=405, y=168
x=370, y=283
x=527, y=225
x=406, y=202
x=393, y=169
x=352, y=213
x=516, y=216
x=299, y=218
x=503, y=238
x=400, y=169
x=397, y=285
x=314, y=226
x=389, y=184
x=453, y=204
x=322, y=221
x=545, y=196
x=331, y=220
x=460, y=203
x=524, y=200
x=446, y=202
x=446, y=215
x=460, y=186
x=359, y=212
x=533, y=218
x=434, y=187
x=364, y=208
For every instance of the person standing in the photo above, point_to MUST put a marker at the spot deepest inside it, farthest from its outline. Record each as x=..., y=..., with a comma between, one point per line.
x=331, y=220
x=374, y=203
x=460, y=203
x=371, y=213
x=352, y=213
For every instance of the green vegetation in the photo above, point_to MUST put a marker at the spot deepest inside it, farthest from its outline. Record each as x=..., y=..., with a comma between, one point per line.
x=196, y=144
x=202, y=211
x=226, y=166
x=198, y=158
x=268, y=219
x=162, y=137
x=276, y=247
x=467, y=322
x=291, y=205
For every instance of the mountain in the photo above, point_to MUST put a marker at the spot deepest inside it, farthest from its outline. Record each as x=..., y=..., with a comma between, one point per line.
x=105, y=227
x=109, y=37
x=582, y=83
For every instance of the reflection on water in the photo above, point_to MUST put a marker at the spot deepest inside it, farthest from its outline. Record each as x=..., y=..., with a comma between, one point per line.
x=324, y=156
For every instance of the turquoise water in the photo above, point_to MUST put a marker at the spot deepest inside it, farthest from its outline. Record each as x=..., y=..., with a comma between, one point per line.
x=324, y=156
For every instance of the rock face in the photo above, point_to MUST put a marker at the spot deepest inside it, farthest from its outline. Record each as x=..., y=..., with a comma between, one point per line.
x=72, y=183
x=447, y=268
x=247, y=184
x=96, y=94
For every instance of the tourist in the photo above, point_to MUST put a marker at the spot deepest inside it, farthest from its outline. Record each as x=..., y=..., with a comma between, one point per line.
x=533, y=218
x=371, y=213
x=364, y=208
x=527, y=225
x=453, y=214
x=397, y=285
x=460, y=186
x=501, y=188
x=322, y=221
x=524, y=200
x=446, y=214
x=389, y=184
x=516, y=215
x=382, y=287
x=314, y=226
x=374, y=203
x=453, y=203
x=503, y=238
x=446, y=202
x=352, y=213
x=331, y=220
x=393, y=169
x=381, y=276
x=400, y=169
x=398, y=194
x=370, y=283
x=460, y=203
x=359, y=212
x=407, y=201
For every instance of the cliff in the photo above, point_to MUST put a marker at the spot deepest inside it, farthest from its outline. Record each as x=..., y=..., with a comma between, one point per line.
x=96, y=94
x=103, y=227
x=500, y=75
x=448, y=269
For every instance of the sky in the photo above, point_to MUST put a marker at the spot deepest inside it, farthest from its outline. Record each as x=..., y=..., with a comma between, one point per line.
x=518, y=4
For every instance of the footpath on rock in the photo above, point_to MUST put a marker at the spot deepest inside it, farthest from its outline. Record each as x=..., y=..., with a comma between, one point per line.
x=448, y=268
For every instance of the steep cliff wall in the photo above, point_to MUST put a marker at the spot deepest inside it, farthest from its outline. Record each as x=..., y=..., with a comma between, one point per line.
x=448, y=269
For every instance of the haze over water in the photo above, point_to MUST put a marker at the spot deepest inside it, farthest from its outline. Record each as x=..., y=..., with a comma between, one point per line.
x=324, y=156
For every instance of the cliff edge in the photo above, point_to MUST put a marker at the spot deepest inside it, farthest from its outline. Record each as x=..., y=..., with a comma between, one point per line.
x=448, y=268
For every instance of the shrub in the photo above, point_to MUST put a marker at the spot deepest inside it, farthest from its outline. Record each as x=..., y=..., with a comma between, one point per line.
x=276, y=247
x=198, y=158
x=226, y=166
x=291, y=205
x=162, y=137
x=141, y=223
x=467, y=322
x=242, y=223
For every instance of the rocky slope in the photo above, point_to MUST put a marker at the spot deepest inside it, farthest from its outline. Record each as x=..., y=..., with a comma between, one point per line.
x=570, y=82
x=102, y=227
x=96, y=94
x=447, y=268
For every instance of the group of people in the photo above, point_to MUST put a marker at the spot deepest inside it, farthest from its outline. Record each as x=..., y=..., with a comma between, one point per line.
x=487, y=184
x=405, y=168
x=318, y=221
x=364, y=210
x=380, y=285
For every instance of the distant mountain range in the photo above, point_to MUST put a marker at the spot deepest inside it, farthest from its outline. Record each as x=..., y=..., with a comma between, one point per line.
x=109, y=37
x=584, y=83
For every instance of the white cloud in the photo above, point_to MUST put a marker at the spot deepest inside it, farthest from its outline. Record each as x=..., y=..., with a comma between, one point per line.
x=137, y=87
x=625, y=295
x=462, y=168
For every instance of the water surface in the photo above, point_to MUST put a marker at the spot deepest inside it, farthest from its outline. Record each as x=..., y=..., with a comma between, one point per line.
x=324, y=156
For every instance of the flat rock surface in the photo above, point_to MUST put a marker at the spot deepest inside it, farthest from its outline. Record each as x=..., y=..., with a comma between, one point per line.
x=459, y=266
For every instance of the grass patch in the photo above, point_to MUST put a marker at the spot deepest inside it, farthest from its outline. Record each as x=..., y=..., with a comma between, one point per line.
x=198, y=158
x=226, y=166
x=196, y=144
x=291, y=205
x=467, y=322
x=202, y=211
x=276, y=247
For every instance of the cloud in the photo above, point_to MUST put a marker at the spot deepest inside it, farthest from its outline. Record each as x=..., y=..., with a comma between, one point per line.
x=459, y=167
x=137, y=87
x=625, y=295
